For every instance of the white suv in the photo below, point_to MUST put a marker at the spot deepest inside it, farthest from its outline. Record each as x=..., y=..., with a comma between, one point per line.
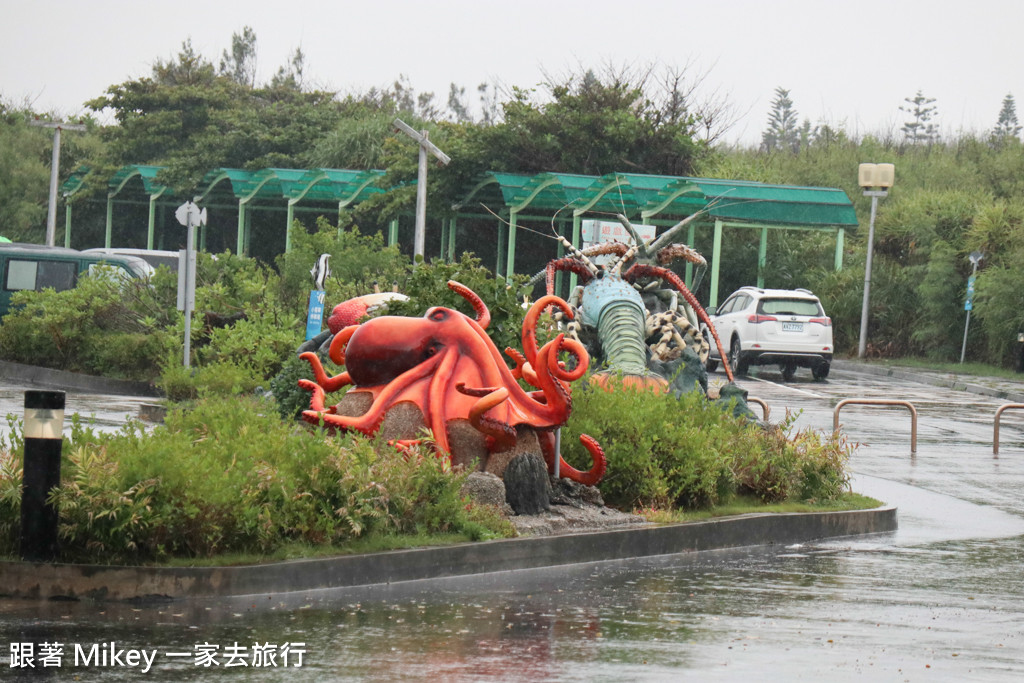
x=784, y=327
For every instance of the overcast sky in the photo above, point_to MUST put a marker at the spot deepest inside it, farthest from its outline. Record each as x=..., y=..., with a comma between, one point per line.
x=849, y=63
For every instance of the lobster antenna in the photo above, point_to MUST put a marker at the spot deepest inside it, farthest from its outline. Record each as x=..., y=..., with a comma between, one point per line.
x=671, y=233
x=579, y=254
x=630, y=253
x=630, y=229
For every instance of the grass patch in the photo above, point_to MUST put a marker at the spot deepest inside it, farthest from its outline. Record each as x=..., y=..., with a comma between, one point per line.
x=746, y=504
x=973, y=369
x=301, y=551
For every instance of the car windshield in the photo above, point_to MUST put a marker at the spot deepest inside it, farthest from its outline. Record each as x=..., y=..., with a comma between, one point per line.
x=789, y=307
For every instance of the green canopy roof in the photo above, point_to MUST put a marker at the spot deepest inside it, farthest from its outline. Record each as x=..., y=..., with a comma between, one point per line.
x=653, y=196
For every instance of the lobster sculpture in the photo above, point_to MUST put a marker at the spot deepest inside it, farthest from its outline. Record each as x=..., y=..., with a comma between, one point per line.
x=627, y=309
x=446, y=366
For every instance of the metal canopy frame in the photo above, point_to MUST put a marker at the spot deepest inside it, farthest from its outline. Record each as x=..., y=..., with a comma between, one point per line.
x=276, y=189
x=68, y=189
x=119, y=181
x=660, y=200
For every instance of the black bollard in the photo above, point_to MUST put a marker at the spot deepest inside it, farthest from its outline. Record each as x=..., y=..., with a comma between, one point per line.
x=44, y=428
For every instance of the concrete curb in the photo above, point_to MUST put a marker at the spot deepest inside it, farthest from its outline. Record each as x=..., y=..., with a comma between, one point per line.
x=73, y=381
x=66, y=581
x=910, y=375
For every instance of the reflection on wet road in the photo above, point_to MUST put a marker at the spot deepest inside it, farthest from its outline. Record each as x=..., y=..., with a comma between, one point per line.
x=938, y=600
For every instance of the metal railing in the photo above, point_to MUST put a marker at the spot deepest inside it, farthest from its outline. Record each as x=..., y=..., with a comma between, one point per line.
x=764, y=407
x=995, y=429
x=881, y=402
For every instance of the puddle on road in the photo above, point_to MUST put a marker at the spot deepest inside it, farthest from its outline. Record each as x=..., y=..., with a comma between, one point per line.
x=929, y=517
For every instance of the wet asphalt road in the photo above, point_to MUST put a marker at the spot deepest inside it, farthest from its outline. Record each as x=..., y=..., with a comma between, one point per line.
x=938, y=600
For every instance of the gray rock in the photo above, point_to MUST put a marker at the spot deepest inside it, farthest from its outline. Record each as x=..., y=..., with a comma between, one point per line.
x=527, y=487
x=485, y=488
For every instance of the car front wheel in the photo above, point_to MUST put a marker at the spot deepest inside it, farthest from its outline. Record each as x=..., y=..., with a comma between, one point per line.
x=736, y=362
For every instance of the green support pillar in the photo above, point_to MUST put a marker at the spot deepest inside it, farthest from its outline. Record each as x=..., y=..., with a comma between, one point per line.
x=67, y=225
x=151, y=224
x=110, y=221
x=393, y=233
x=510, y=259
x=691, y=235
x=444, y=241
x=502, y=241
x=240, y=243
x=288, y=228
x=576, y=228
x=451, y=240
x=248, y=233
x=716, y=261
x=840, y=238
x=762, y=257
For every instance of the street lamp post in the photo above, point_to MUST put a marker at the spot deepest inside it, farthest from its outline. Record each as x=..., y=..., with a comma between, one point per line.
x=975, y=257
x=51, y=211
x=869, y=177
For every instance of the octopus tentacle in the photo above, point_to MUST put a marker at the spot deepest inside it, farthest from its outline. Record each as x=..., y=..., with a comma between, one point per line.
x=337, y=350
x=589, y=478
x=322, y=378
x=371, y=419
x=523, y=369
x=483, y=316
x=436, y=415
x=641, y=270
x=530, y=323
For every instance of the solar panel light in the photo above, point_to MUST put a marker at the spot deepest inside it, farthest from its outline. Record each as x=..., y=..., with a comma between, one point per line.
x=43, y=432
x=876, y=175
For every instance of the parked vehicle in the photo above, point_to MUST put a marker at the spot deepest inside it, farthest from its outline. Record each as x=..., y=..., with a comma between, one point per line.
x=36, y=267
x=154, y=257
x=784, y=327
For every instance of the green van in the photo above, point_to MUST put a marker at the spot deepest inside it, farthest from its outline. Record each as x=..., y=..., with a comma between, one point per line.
x=34, y=266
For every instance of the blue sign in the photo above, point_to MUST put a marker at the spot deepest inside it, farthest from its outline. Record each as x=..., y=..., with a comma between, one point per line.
x=315, y=316
x=969, y=302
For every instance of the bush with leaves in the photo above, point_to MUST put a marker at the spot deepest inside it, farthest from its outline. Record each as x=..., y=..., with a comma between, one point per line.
x=690, y=453
x=185, y=489
x=357, y=262
x=426, y=286
x=104, y=326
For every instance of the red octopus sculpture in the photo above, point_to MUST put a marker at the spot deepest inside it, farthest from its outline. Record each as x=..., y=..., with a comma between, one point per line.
x=445, y=364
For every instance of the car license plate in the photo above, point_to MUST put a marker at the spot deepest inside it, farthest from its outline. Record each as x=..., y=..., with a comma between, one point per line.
x=792, y=327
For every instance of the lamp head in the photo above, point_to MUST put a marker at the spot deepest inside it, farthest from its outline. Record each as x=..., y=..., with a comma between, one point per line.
x=876, y=175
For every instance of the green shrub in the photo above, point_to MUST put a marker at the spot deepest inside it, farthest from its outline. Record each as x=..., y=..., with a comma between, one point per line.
x=225, y=476
x=665, y=452
x=427, y=286
x=103, y=326
x=357, y=261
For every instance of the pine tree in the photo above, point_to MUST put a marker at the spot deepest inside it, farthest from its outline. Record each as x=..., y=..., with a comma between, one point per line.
x=920, y=130
x=1007, y=126
x=240, y=63
x=781, y=133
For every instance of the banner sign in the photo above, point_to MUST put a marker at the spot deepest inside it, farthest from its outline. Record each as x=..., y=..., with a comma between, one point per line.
x=315, y=316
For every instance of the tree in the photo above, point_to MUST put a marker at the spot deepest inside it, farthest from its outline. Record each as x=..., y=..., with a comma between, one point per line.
x=290, y=77
x=24, y=175
x=191, y=119
x=1007, y=126
x=781, y=133
x=457, y=106
x=240, y=64
x=920, y=129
